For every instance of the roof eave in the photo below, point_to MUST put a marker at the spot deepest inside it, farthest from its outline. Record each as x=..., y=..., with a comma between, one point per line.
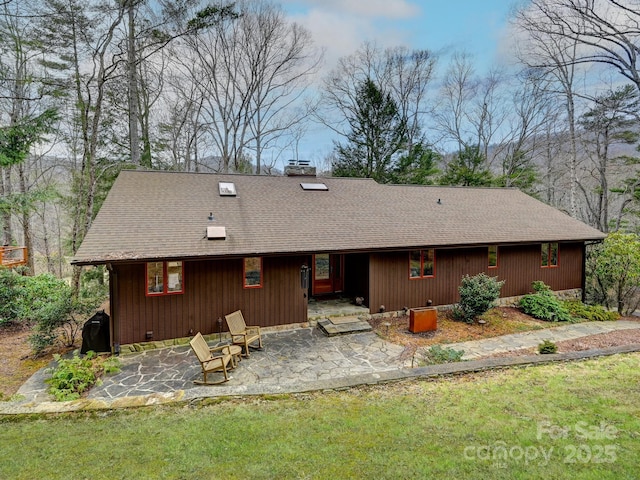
x=191, y=257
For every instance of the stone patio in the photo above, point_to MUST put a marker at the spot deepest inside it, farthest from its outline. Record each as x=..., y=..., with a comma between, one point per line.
x=292, y=361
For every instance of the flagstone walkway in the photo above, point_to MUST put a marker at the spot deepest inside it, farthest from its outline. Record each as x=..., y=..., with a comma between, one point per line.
x=515, y=341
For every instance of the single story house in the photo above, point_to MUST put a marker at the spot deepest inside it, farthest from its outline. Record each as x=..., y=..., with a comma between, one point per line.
x=184, y=249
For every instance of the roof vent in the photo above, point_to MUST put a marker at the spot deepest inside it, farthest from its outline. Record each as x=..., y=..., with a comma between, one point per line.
x=227, y=189
x=216, y=233
x=314, y=186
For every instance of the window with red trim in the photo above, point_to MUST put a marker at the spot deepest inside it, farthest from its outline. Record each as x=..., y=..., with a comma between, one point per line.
x=493, y=256
x=549, y=255
x=252, y=272
x=164, y=278
x=422, y=263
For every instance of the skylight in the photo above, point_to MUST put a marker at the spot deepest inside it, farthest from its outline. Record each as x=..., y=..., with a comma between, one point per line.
x=227, y=189
x=314, y=186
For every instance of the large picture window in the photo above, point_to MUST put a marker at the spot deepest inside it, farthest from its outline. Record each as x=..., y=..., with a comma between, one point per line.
x=422, y=263
x=493, y=256
x=549, y=255
x=253, y=272
x=164, y=278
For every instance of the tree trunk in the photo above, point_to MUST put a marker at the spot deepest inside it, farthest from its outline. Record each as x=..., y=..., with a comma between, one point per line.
x=132, y=77
x=5, y=191
x=26, y=221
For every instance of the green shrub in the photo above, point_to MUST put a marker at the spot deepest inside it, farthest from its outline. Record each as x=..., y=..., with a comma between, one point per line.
x=71, y=377
x=46, y=301
x=56, y=312
x=592, y=313
x=547, y=347
x=10, y=287
x=111, y=365
x=477, y=295
x=544, y=305
x=75, y=375
x=49, y=304
x=436, y=355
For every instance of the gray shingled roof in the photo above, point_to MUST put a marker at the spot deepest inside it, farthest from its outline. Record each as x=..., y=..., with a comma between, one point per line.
x=149, y=215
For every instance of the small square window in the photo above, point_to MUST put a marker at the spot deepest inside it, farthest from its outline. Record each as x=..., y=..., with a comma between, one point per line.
x=422, y=263
x=253, y=272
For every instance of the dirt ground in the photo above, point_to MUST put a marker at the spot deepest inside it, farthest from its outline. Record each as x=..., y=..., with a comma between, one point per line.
x=17, y=362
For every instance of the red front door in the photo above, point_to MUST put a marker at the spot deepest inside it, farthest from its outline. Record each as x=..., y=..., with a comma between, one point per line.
x=327, y=273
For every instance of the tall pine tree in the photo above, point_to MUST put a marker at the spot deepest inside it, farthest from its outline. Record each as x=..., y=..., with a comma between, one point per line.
x=377, y=138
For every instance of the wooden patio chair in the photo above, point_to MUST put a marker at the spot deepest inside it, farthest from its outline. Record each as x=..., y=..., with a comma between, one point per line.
x=211, y=360
x=241, y=334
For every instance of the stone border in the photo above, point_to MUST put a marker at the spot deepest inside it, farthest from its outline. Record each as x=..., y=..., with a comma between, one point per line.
x=574, y=293
x=211, y=337
x=195, y=395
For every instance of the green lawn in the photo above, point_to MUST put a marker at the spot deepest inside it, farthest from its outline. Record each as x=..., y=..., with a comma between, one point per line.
x=573, y=420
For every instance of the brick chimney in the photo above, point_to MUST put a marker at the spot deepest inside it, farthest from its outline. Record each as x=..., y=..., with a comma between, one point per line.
x=299, y=168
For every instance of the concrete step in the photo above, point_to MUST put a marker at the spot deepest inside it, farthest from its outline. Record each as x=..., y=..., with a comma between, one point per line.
x=344, y=325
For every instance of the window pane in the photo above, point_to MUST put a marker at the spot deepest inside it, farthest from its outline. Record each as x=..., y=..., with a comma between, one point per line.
x=553, y=254
x=414, y=264
x=155, y=282
x=322, y=266
x=493, y=256
x=545, y=255
x=252, y=271
x=174, y=276
x=428, y=257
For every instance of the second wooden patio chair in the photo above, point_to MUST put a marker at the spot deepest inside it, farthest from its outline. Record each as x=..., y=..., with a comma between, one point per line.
x=216, y=359
x=241, y=334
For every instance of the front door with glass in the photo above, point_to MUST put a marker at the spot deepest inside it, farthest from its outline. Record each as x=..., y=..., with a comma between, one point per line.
x=328, y=274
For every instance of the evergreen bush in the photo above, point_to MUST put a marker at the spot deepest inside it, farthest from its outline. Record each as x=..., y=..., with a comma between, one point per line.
x=477, y=295
x=547, y=347
x=544, y=305
x=437, y=354
x=591, y=313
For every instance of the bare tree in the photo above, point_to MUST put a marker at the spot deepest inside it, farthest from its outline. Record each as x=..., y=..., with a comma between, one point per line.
x=251, y=74
x=181, y=129
x=282, y=61
x=607, y=31
x=531, y=109
x=472, y=110
x=546, y=49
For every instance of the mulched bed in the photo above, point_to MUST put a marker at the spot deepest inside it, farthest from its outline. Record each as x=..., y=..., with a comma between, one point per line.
x=500, y=321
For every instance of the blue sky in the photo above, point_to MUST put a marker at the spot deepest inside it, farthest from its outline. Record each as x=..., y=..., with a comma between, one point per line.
x=341, y=26
x=476, y=27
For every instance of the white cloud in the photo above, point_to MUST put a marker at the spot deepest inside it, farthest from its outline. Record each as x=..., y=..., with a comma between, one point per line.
x=391, y=9
x=338, y=27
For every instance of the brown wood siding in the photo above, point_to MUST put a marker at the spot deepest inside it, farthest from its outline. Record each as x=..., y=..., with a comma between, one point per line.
x=518, y=265
x=211, y=289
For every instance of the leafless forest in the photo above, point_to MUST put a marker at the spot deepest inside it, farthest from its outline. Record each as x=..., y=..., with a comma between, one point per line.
x=91, y=87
